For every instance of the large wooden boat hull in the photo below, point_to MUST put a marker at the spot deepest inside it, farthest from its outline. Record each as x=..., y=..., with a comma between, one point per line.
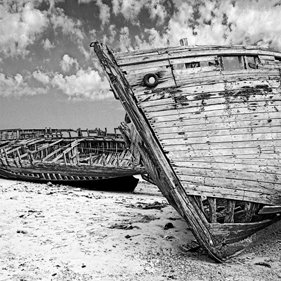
x=97, y=162
x=205, y=122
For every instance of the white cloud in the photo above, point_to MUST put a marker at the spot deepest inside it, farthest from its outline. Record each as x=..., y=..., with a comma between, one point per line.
x=104, y=12
x=112, y=33
x=84, y=1
x=85, y=84
x=125, y=41
x=41, y=77
x=67, y=62
x=93, y=32
x=85, y=51
x=17, y=87
x=220, y=22
x=110, y=37
x=20, y=29
x=131, y=9
x=67, y=25
x=47, y=45
x=154, y=39
x=52, y=3
x=157, y=10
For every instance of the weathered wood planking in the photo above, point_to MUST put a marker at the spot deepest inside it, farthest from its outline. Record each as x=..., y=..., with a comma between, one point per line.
x=267, y=183
x=226, y=95
x=218, y=123
x=233, y=133
x=270, y=210
x=231, y=173
x=215, y=109
x=216, y=191
x=138, y=58
x=212, y=116
x=66, y=158
x=207, y=130
x=211, y=105
x=186, y=206
x=210, y=167
x=232, y=232
x=242, y=90
x=195, y=120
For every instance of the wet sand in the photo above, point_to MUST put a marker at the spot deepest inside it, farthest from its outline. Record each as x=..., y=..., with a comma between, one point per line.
x=50, y=232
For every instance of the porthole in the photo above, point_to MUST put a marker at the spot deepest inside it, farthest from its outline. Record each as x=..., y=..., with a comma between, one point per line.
x=150, y=80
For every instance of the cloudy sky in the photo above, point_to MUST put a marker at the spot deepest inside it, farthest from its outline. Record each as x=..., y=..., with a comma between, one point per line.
x=49, y=76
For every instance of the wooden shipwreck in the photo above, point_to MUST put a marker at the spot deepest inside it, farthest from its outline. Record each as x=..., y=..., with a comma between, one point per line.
x=205, y=122
x=90, y=158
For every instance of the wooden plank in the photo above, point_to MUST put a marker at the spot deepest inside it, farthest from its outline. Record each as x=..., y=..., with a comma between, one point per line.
x=188, y=128
x=11, y=150
x=199, y=202
x=232, y=185
x=137, y=58
x=230, y=160
x=131, y=69
x=255, y=74
x=181, y=114
x=190, y=49
x=240, y=95
x=259, y=175
x=192, y=59
x=198, y=86
x=266, y=57
x=212, y=208
x=218, y=95
x=220, y=139
x=45, y=146
x=185, y=151
x=219, y=51
x=228, y=193
x=227, y=107
x=238, y=165
x=53, y=153
x=230, y=132
x=179, y=158
x=212, y=77
x=178, y=73
x=203, y=121
x=250, y=210
x=213, y=115
x=270, y=210
x=152, y=57
x=67, y=149
x=229, y=216
x=233, y=232
x=182, y=153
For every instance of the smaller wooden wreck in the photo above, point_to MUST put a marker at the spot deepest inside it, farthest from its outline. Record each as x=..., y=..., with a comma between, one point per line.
x=87, y=158
x=205, y=123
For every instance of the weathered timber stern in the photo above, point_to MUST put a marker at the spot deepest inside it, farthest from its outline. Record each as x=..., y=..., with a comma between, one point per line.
x=205, y=122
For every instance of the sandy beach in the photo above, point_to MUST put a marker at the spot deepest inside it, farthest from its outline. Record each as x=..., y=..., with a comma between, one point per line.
x=51, y=232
